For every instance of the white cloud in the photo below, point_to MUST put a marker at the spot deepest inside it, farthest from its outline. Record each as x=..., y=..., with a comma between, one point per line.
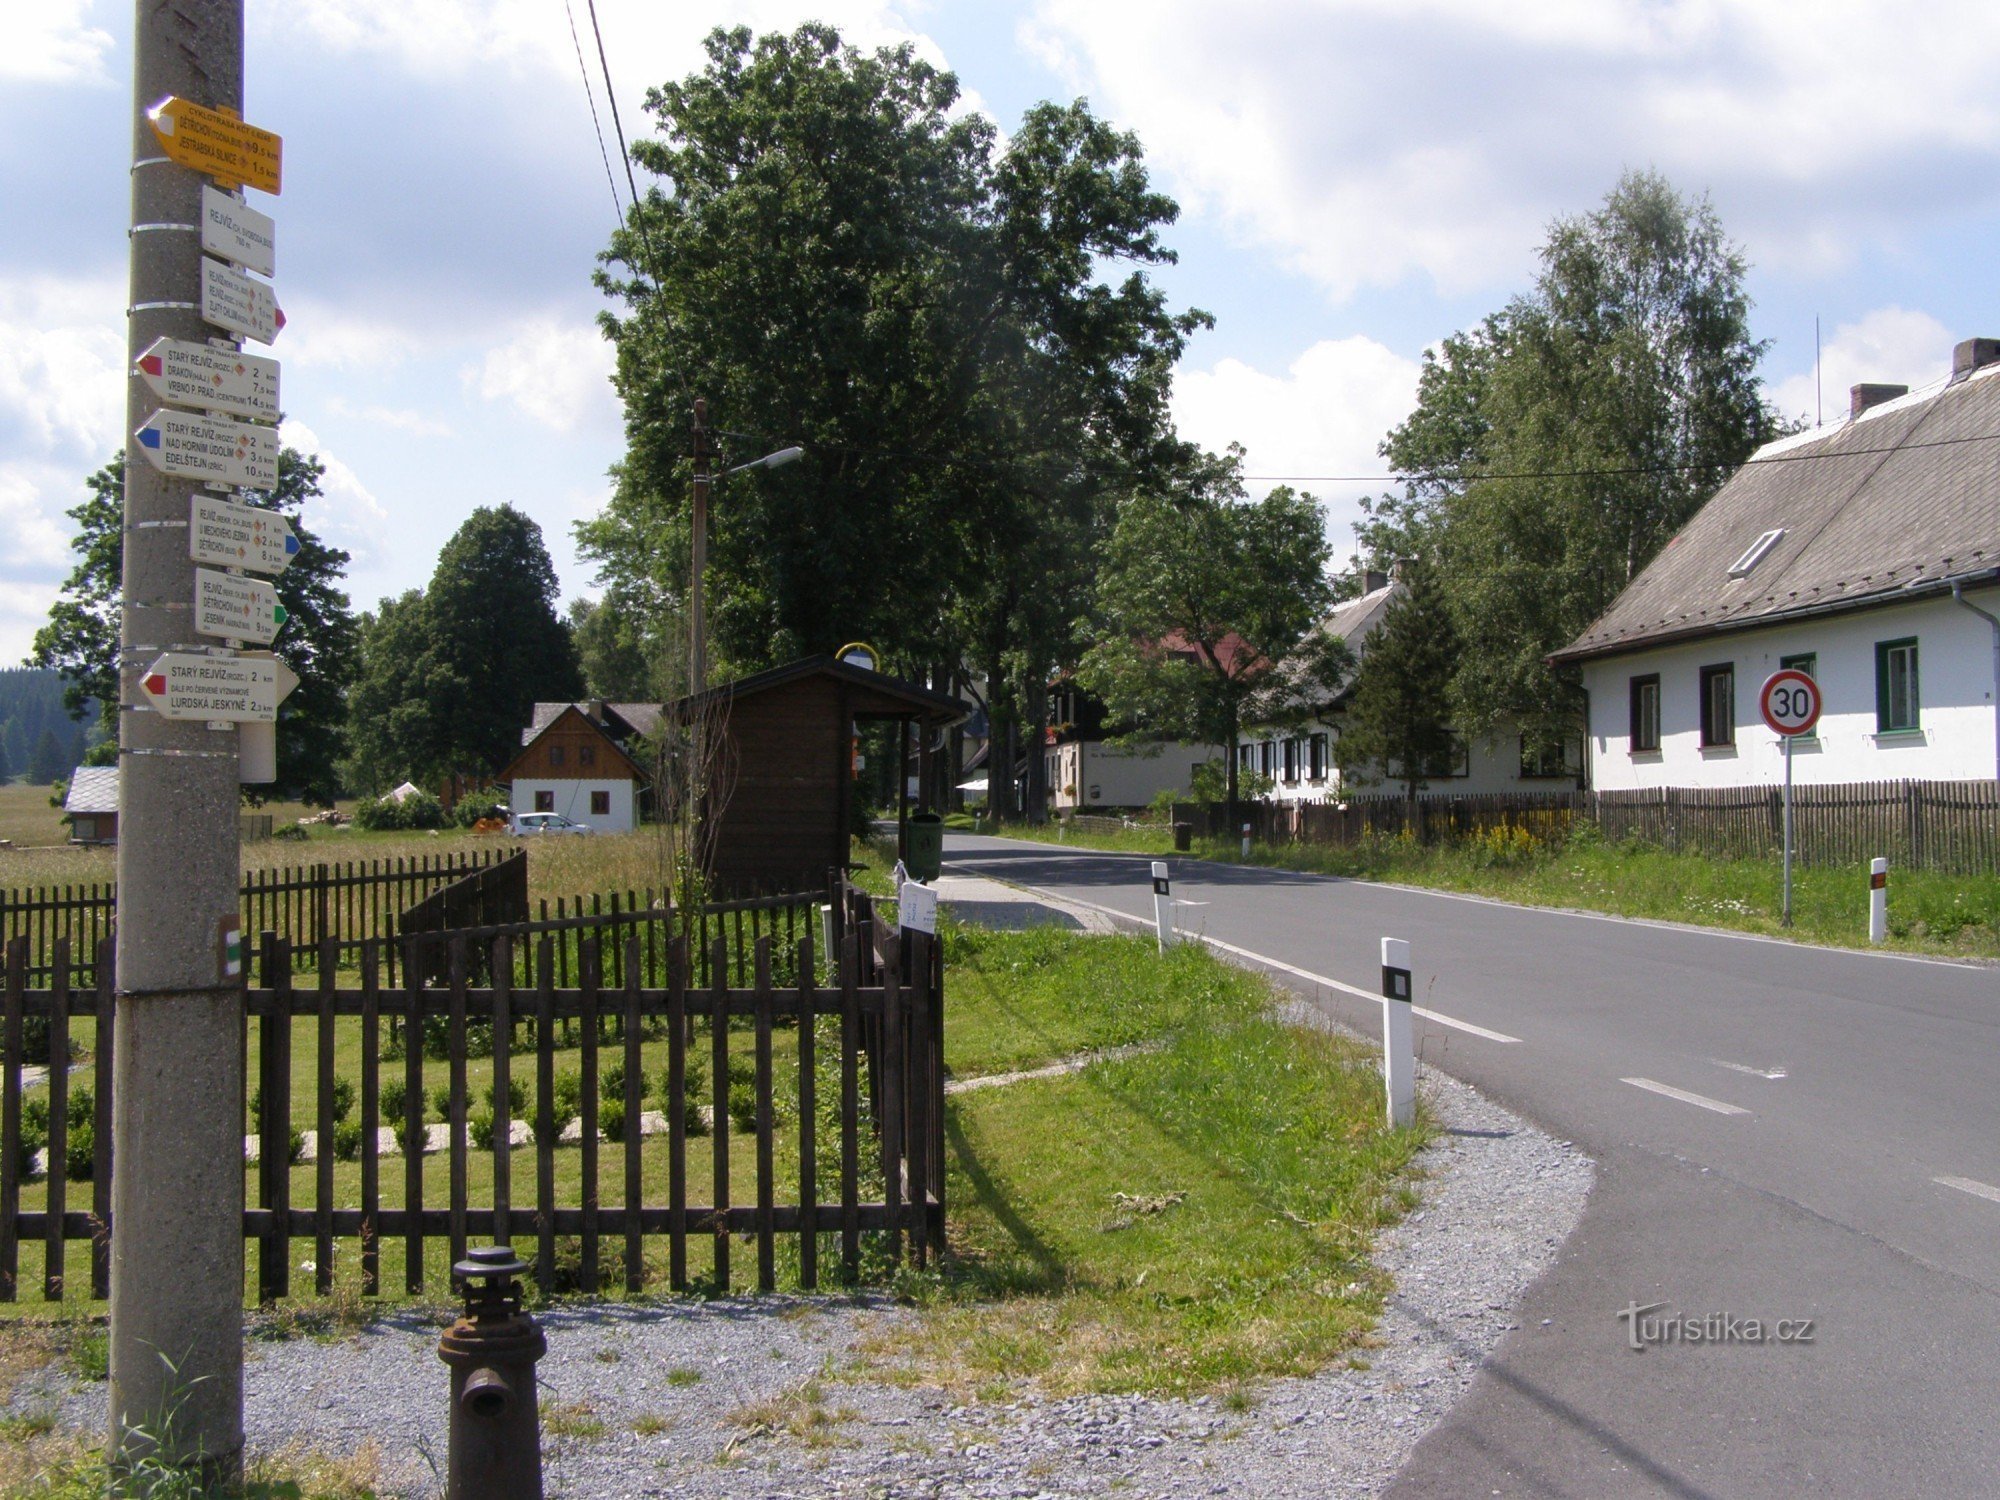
x=557, y=374
x=1322, y=418
x=348, y=515
x=1366, y=141
x=397, y=419
x=1890, y=346
x=645, y=42
x=321, y=335
x=62, y=362
x=49, y=42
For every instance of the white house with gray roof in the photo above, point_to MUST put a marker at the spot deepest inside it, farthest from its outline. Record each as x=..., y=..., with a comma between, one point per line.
x=1867, y=555
x=1290, y=739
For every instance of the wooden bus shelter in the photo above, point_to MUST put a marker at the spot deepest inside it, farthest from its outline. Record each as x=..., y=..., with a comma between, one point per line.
x=787, y=738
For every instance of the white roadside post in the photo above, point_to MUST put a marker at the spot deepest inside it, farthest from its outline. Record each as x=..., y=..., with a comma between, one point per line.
x=1398, y=1063
x=1878, y=900
x=1163, y=905
x=1246, y=840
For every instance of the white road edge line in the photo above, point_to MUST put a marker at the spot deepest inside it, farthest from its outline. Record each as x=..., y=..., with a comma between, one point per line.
x=1967, y=1185
x=1684, y=1096
x=1279, y=964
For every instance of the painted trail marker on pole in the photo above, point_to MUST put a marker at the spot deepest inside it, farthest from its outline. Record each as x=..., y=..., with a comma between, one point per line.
x=241, y=304
x=1790, y=704
x=1399, y=1074
x=219, y=450
x=234, y=608
x=238, y=233
x=244, y=689
x=218, y=142
x=239, y=536
x=217, y=380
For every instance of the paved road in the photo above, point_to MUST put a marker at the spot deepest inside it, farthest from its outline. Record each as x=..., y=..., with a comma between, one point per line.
x=1781, y=1132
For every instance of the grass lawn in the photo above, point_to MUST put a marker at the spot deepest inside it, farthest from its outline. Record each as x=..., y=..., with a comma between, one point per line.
x=1192, y=1216
x=1929, y=913
x=27, y=819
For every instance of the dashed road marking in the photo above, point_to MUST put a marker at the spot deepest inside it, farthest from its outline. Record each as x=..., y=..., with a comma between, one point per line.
x=1769, y=1073
x=1967, y=1185
x=1700, y=1100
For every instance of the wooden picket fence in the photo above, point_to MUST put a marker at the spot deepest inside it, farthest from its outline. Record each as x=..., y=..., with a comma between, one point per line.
x=867, y=1038
x=350, y=900
x=1948, y=826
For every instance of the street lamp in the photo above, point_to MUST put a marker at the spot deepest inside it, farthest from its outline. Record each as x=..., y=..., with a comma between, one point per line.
x=698, y=623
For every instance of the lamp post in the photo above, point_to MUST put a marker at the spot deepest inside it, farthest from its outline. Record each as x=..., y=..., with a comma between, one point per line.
x=703, y=478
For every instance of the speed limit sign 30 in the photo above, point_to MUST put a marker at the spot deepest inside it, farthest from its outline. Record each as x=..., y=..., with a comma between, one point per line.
x=1789, y=702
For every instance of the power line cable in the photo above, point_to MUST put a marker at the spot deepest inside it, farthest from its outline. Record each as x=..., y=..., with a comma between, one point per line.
x=1774, y=458
x=617, y=208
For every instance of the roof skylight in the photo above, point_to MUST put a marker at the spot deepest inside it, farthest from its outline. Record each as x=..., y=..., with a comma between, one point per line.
x=1754, y=553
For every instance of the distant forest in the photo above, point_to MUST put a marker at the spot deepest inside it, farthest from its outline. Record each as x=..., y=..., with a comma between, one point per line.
x=38, y=741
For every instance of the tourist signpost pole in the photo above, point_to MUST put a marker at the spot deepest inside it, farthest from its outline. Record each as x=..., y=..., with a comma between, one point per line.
x=176, y=1378
x=1790, y=705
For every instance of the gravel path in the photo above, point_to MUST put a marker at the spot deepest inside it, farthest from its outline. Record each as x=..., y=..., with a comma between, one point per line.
x=665, y=1400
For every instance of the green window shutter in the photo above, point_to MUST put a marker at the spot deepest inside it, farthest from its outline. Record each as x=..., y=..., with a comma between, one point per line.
x=1881, y=687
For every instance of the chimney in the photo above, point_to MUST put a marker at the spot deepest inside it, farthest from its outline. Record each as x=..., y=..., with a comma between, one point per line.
x=1973, y=354
x=594, y=710
x=1861, y=397
x=1373, y=579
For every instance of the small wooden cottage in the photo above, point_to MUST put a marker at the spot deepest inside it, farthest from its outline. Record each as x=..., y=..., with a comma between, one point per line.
x=572, y=762
x=788, y=764
x=92, y=805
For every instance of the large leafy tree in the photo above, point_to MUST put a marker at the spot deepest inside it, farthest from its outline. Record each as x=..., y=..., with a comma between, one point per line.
x=319, y=639
x=1203, y=594
x=838, y=259
x=1557, y=447
x=450, y=676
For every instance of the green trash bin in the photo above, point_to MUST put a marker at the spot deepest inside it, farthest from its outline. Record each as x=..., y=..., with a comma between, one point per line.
x=923, y=847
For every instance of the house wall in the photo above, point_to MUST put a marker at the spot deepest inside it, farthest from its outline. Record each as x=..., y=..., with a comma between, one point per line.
x=1090, y=773
x=1955, y=740
x=572, y=800
x=1492, y=765
x=571, y=745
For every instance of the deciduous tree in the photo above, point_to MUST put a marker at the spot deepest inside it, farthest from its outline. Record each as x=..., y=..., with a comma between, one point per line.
x=318, y=640
x=1557, y=447
x=1201, y=594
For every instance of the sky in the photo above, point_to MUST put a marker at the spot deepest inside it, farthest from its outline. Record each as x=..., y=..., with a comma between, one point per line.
x=1358, y=179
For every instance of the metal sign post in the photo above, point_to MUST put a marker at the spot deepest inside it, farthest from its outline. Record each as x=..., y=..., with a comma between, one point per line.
x=1790, y=704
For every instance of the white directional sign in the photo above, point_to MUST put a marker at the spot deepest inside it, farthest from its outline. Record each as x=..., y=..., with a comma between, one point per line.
x=239, y=536
x=237, y=233
x=216, y=449
x=236, y=609
x=242, y=304
x=242, y=688
x=243, y=385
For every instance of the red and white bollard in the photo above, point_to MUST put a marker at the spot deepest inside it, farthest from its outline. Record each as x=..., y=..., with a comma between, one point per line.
x=1878, y=901
x=1246, y=840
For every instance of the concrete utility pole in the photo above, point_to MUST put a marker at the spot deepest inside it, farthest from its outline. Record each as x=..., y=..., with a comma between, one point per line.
x=698, y=623
x=177, y=1195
